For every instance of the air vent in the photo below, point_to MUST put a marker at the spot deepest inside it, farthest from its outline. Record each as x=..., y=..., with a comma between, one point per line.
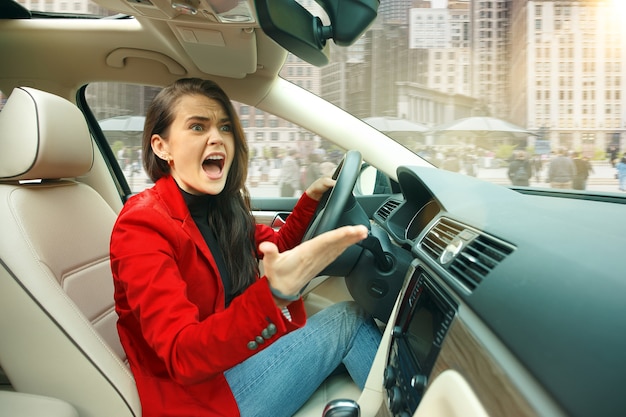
x=477, y=259
x=467, y=254
x=385, y=211
x=439, y=237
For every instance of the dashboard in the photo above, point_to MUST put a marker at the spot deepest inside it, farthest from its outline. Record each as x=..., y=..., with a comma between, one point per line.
x=520, y=294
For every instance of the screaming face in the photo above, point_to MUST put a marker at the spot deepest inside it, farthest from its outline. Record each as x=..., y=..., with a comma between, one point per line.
x=200, y=145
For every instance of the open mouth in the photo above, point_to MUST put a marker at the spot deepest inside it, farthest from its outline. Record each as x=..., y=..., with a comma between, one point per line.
x=213, y=165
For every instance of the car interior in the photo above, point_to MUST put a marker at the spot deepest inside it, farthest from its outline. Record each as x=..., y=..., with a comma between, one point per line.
x=492, y=301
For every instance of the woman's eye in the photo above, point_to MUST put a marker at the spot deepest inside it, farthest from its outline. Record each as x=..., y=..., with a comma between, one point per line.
x=226, y=128
x=197, y=128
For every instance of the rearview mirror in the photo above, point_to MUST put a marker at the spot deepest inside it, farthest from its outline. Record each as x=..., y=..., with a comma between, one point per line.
x=303, y=34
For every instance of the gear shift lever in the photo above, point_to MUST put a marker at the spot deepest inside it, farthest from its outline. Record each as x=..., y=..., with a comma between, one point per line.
x=342, y=408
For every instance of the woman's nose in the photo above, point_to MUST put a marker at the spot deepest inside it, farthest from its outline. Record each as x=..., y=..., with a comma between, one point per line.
x=215, y=136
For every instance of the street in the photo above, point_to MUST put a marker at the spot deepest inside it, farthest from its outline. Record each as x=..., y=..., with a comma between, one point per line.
x=601, y=179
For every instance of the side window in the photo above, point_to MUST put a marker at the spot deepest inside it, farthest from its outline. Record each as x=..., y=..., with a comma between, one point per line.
x=120, y=111
x=284, y=158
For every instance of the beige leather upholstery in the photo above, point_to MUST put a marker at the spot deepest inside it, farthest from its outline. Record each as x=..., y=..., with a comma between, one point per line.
x=58, y=336
x=18, y=404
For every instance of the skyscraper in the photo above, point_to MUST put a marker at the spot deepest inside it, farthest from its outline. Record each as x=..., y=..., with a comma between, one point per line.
x=568, y=71
x=490, y=55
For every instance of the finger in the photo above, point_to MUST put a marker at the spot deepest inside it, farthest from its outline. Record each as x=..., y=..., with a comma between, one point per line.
x=268, y=249
x=347, y=235
x=319, y=252
x=336, y=240
x=328, y=182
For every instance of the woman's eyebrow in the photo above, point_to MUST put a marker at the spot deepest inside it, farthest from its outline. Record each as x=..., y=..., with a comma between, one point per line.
x=199, y=118
x=224, y=119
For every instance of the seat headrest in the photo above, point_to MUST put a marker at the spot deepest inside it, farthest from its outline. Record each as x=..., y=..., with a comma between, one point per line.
x=42, y=136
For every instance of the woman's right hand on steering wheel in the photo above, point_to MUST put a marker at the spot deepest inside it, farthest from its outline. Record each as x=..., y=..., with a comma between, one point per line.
x=317, y=189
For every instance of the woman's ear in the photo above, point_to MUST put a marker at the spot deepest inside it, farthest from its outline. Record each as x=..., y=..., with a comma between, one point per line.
x=160, y=147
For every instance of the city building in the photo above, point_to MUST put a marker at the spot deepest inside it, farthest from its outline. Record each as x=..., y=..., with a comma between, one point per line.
x=442, y=33
x=555, y=67
x=490, y=77
x=569, y=72
x=394, y=10
x=438, y=88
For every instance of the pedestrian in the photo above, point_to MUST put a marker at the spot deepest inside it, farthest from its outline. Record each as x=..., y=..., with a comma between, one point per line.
x=313, y=171
x=611, y=153
x=204, y=334
x=621, y=172
x=470, y=164
x=451, y=162
x=121, y=157
x=537, y=165
x=289, y=174
x=561, y=170
x=520, y=169
x=583, y=169
x=265, y=169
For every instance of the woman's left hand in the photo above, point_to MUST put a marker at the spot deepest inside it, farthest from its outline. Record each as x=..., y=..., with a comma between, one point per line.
x=289, y=271
x=319, y=187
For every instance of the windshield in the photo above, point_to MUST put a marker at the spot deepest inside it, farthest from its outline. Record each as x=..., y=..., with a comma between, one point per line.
x=520, y=93
x=86, y=8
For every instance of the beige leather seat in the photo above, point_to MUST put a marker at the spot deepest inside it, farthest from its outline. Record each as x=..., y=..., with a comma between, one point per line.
x=57, y=322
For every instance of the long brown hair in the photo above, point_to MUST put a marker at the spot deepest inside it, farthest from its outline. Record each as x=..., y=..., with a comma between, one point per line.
x=229, y=214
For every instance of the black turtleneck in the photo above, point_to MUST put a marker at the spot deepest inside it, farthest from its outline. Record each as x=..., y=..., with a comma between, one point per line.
x=199, y=208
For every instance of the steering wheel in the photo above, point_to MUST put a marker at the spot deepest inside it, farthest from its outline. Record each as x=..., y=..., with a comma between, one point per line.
x=337, y=200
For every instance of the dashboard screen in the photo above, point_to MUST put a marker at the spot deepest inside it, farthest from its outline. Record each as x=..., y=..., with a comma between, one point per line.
x=420, y=333
x=425, y=323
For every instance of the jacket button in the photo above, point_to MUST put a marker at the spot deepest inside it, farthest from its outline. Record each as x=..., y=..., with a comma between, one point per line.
x=259, y=340
x=252, y=345
x=269, y=331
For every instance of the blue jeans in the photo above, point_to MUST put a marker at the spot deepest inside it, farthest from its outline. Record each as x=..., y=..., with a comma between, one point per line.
x=278, y=380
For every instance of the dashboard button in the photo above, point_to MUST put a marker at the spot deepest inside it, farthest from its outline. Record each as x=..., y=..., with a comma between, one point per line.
x=389, y=377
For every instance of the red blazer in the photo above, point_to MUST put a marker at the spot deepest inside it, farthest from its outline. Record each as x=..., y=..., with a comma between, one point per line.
x=169, y=297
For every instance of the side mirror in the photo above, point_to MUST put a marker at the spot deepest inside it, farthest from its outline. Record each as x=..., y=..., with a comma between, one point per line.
x=297, y=30
x=372, y=182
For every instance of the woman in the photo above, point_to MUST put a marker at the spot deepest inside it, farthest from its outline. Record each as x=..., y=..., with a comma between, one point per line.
x=204, y=334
